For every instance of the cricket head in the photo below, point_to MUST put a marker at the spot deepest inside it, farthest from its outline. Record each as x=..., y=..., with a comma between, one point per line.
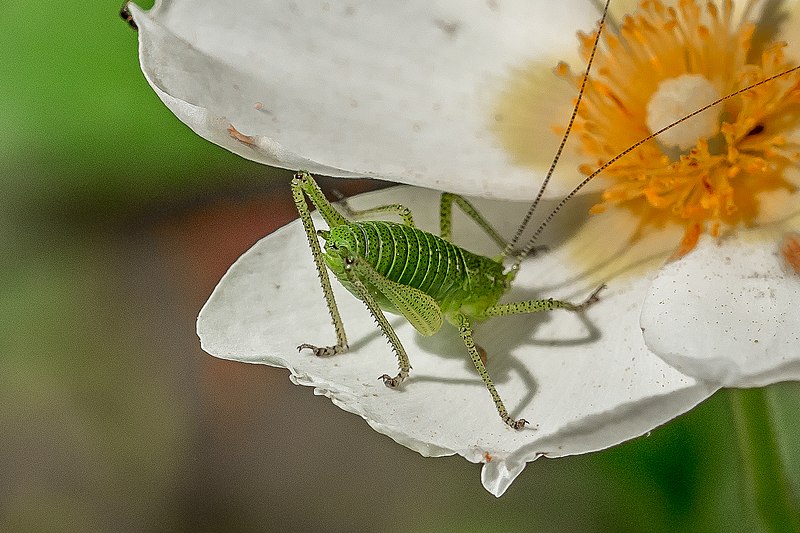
x=340, y=242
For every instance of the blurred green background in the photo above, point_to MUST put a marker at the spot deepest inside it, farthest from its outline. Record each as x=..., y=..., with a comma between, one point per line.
x=116, y=222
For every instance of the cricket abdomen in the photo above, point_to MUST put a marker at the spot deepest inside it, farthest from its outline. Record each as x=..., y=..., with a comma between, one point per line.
x=456, y=278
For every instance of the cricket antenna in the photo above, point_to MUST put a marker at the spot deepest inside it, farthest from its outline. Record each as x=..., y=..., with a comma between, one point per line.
x=529, y=246
x=510, y=246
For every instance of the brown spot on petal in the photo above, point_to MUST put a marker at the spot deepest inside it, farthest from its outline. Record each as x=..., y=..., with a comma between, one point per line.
x=790, y=250
x=241, y=137
x=449, y=28
x=487, y=457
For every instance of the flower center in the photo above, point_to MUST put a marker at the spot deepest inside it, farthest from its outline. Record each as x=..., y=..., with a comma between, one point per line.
x=677, y=97
x=708, y=174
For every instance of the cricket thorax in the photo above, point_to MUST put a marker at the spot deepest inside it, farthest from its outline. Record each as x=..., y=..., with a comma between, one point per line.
x=454, y=277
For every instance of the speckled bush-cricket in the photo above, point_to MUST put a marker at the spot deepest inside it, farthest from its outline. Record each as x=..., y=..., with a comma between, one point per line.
x=401, y=269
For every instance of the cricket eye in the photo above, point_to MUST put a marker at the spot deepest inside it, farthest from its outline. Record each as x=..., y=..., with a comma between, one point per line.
x=323, y=233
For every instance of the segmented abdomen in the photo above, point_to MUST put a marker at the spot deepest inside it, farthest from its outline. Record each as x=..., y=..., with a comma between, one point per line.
x=416, y=258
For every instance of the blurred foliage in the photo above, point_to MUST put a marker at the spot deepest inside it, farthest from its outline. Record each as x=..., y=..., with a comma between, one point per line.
x=115, y=223
x=81, y=130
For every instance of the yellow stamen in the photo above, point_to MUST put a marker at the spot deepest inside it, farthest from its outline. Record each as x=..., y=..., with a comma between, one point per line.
x=665, y=63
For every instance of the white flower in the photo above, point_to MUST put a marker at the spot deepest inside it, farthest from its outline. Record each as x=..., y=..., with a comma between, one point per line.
x=428, y=93
x=584, y=383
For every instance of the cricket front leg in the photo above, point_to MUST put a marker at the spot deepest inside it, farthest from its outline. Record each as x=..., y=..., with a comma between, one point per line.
x=591, y=300
x=534, y=306
x=299, y=182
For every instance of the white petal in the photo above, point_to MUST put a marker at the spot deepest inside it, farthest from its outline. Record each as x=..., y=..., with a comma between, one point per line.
x=584, y=383
x=405, y=91
x=727, y=312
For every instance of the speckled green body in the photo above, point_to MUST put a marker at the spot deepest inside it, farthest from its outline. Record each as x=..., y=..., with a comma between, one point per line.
x=458, y=280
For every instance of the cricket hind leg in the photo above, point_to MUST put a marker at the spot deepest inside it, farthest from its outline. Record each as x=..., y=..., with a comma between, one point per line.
x=352, y=265
x=304, y=185
x=465, y=330
x=446, y=218
x=421, y=311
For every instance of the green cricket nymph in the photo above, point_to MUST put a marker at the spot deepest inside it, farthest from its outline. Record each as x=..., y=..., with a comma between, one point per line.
x=423, y=277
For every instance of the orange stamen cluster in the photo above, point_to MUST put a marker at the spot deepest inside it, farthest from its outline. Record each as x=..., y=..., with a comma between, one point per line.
x=715, y=184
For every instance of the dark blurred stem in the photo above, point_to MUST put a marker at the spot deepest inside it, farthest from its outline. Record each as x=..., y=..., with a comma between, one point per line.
x=762, y=467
